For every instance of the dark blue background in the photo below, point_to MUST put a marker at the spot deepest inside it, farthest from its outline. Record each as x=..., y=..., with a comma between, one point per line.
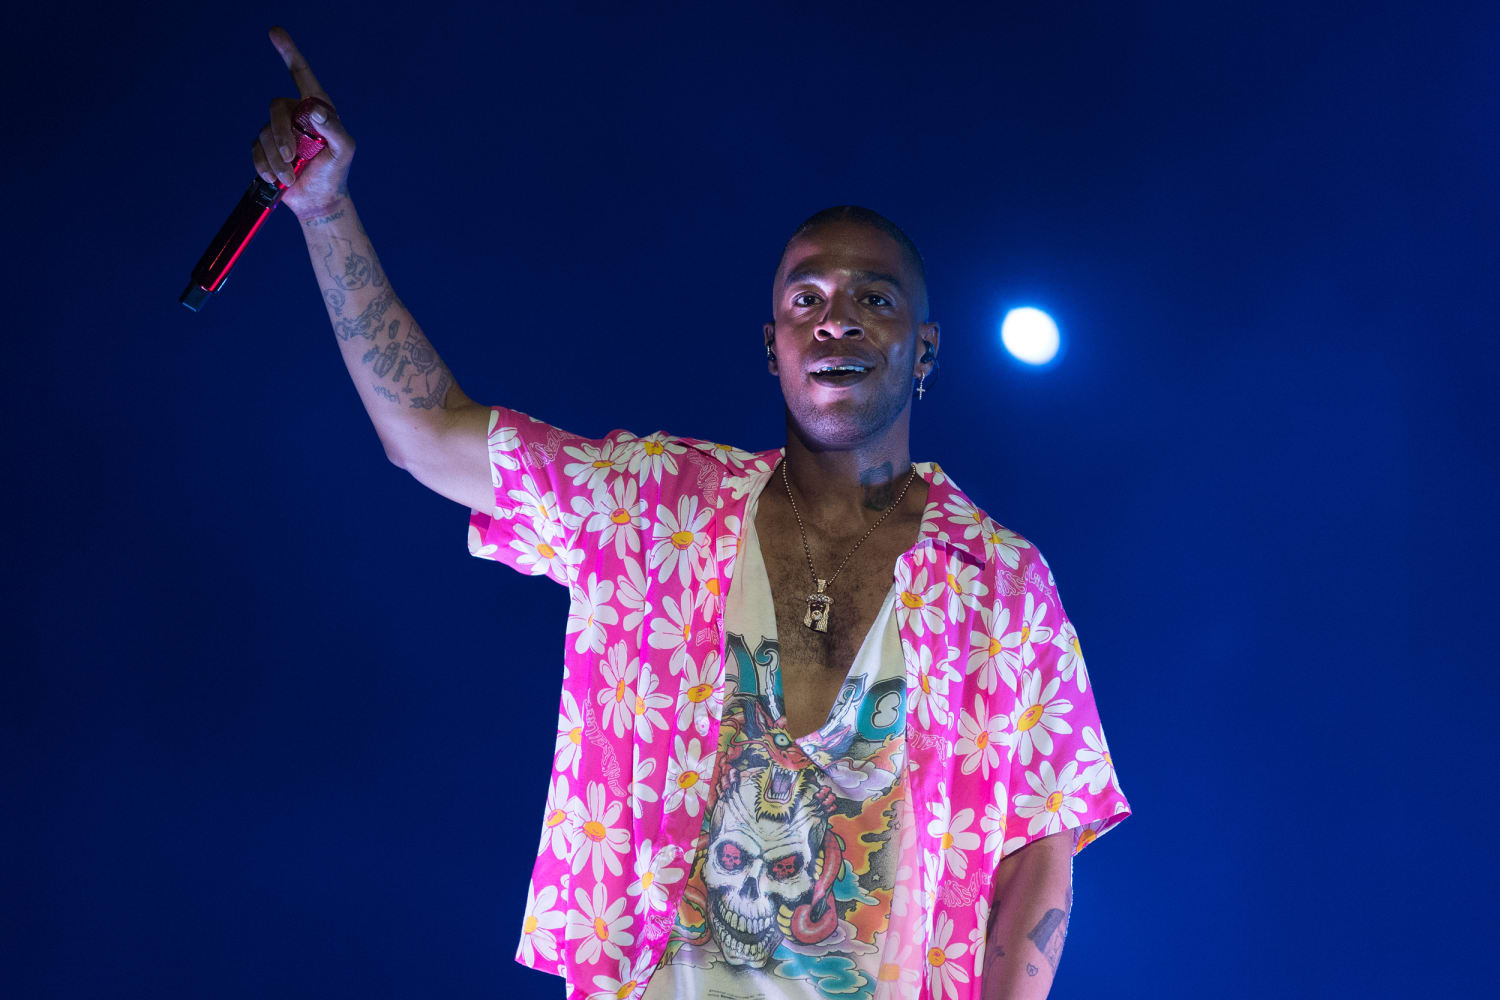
x=272, y=732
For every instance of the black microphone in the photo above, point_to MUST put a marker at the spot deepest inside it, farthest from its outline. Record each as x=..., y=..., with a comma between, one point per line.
x=257, y=203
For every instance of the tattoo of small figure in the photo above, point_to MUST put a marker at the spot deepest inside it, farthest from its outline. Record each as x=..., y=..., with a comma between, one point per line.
x=369, y=321
x=1031, y=970
x=335, y=300
x=412, y=361
x=348, y=269
x=1048, y=935
x=880, y=486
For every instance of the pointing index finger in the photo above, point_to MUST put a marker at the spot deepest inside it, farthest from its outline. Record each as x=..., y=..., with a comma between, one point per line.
x=302, y=74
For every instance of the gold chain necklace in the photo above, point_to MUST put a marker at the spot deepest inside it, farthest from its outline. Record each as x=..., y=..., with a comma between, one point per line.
x=819, y=604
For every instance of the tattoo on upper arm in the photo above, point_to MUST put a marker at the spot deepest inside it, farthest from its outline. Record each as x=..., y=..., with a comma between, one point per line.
x=335, y=300
x=1048, y=935
x=385, y=393
x=412, y=362
x=1031, y=970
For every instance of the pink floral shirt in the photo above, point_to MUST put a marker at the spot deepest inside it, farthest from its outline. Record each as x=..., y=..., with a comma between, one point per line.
x=1004, y=740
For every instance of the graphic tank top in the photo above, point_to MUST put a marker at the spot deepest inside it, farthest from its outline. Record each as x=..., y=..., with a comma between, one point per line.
x=803, y=885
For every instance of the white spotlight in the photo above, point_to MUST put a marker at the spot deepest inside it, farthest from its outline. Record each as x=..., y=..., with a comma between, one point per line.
x=1029, y=335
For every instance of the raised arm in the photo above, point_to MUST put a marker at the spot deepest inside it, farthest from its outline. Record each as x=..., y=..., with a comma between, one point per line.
x=425, y=422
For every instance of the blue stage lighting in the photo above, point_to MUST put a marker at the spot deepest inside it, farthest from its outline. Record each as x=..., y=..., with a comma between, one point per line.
x=1029, y=335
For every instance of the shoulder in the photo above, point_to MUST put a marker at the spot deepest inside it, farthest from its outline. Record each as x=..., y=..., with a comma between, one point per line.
x=960, y=520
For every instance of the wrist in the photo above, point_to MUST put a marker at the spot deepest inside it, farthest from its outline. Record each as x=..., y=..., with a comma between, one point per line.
x=324, y=211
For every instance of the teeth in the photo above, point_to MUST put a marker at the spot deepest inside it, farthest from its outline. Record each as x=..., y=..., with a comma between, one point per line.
x=840, y=368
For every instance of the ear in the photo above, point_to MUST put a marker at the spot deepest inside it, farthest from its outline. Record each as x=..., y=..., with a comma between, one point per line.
x=929, y=336
x=768, y=333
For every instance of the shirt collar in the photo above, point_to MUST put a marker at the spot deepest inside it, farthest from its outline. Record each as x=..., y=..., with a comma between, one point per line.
x=942, y=492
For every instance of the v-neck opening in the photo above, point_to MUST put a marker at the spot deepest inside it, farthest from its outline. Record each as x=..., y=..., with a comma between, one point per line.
x=877, y=627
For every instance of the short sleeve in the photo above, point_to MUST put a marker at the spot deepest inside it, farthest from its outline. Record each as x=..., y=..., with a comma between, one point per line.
x=546, y=483
x=1062, y=776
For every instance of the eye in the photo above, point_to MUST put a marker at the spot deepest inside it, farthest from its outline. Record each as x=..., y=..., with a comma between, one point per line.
x=785, y=868
x=730, y=858
x=880, y=300
x=797, y=299
x=781, y=739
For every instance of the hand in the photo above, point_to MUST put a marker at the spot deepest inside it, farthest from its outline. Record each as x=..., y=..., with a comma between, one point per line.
x=323, y=179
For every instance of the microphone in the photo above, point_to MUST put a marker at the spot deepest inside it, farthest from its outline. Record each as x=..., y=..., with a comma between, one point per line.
x=258, y=202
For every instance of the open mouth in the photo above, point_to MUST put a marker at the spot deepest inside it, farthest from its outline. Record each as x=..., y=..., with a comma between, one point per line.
x=840, y=375
x=779, y=788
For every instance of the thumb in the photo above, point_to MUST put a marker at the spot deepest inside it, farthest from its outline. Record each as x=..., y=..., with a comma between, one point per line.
x=340, y=142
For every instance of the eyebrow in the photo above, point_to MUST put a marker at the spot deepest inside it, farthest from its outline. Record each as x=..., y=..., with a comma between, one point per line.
x=860, y=277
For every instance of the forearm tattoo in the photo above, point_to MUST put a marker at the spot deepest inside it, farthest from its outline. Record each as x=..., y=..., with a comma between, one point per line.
x=350, y=270
x=413, y=363
x=369, y=322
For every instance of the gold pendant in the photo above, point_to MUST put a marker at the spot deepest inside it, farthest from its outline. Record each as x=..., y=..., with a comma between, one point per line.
x=819, y=608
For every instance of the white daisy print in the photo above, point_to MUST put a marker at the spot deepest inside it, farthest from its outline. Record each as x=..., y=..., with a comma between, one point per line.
x=1098, y=766
x=601, y=923
x=980, y=737
x=630, y=594
x=590, y=612
x=503, y=438
x=726, y=453
x=539, y=929
x=755, y=473
x=1003, y=544
x=952, y=831
x=559, y=826
x=993, y=824
x=928, y=698
x=976, y=936
x=671, y=631
x=599, y=840
x=1032, y=629
x=593, y=463
x=1054, y=806
x=652, y=878
x=945, y=964
x=688, y=776
x=648, y=704
x=1037, y=715
x=962, y=513
x=629, y=984
x=917, y=603
x=641, y=788
x=615, y=513
x=676, y=538
x=701, y=697
x=654, y=454
x=538, y=505
x=538, y=555
x=1070, y=663
x=964, y=590
x=617, y=696
x=993, y=654
x=566, y=754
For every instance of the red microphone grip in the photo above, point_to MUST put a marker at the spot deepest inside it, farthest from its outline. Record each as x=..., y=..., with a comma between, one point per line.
x=257, y=203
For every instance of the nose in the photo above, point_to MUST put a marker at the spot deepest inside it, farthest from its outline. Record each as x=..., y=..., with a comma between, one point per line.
x=838, y=322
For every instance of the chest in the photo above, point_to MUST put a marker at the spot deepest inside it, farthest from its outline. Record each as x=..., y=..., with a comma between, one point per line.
x=814, y=664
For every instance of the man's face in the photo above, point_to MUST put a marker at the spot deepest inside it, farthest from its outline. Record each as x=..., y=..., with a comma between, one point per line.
x=845, y=297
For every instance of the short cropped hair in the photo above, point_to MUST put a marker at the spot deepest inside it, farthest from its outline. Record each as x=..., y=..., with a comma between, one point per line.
x=873, y=219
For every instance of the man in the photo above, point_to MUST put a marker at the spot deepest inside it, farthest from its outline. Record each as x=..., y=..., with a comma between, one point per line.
x=825, y=729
